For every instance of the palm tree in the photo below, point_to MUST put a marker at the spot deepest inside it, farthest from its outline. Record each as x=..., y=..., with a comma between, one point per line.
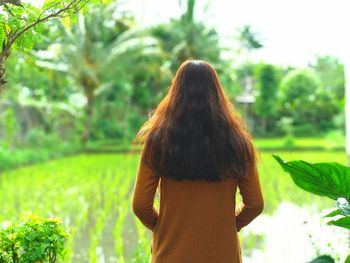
x=91, y=48
x=248, y=41
x=248, y=38
x=186, y=37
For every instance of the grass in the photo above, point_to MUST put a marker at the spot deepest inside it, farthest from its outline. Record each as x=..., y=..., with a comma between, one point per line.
x=12, y=158
x=91, y=193
x=330, y=142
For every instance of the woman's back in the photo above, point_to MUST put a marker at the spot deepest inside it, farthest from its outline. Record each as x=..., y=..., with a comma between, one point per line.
x=196, y=153
x=195, y=225
x=197, y=221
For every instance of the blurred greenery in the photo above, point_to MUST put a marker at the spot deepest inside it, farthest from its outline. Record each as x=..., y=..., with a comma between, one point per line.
x=267, y=78
x=98, y=76
x=88, y=81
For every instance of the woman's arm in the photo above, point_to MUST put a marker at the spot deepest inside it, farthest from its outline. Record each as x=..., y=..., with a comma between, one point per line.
x=252, y=204
x=144, y=191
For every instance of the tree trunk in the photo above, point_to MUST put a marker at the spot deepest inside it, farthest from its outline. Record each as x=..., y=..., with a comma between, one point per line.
x=264, y=124
x=88, y=117
x=3, y=58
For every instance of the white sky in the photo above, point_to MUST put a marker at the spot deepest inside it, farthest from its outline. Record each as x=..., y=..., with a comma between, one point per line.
x=292, y=31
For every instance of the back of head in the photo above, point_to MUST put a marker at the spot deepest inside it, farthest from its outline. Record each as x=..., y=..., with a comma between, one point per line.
x=195, y=133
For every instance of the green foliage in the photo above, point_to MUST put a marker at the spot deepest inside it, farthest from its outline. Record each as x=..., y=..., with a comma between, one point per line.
x=91, y=54
x=126, y=71
x=297, y=87
x=301, y=144
x=48, y=85
x=10, y=127
x=39, y=138
x=342, y=222
x=22, y=24
x=267, y=79
x=323, y=259
x=325, y=179
x=303, y=99
x=16, y=20
x=248, y=38
x=32, y=240
x=185, y=38
x=3, y=37
x=331, y=73
x=10, y=159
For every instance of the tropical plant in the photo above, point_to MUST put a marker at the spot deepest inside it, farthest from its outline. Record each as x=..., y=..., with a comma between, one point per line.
x=248, y=42
x=327, y=179
x=21, y=24
x=186, y=37
x=96, y=55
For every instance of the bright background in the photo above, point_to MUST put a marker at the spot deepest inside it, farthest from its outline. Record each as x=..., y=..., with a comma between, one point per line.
x=78, y=90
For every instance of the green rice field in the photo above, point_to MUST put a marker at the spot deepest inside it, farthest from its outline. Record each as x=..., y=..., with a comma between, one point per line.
x=91, y=194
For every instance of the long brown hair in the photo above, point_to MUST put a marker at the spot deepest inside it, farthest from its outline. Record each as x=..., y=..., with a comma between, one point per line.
x=195, y=132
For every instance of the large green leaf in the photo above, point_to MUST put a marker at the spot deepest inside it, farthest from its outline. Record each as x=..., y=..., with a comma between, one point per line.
x=325, y=179
x=323, y=259
x=342, y=222
x=334, y=213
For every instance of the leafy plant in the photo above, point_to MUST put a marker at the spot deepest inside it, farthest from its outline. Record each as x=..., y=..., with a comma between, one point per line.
x=323, y=259
x=88, y=61
x=328, y=179
x=21, y=23
x=303, y=99
x=33, y=240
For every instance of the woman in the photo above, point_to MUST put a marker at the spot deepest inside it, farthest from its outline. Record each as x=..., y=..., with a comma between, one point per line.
x=197, y=151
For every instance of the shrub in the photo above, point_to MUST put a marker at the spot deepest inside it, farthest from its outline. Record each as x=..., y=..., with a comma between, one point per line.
x=39, y=138
x=33, y=240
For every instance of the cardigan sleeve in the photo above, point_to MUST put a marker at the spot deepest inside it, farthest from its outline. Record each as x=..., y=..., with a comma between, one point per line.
x=144, y=191
x=252, y=199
